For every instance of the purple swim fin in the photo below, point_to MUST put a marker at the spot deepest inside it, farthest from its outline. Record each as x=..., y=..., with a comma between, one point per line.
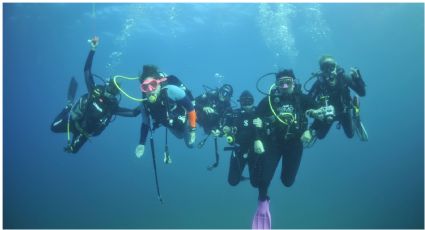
x=262, y=218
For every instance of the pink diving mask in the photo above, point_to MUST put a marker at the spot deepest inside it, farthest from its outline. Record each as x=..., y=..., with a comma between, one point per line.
x=151, y=84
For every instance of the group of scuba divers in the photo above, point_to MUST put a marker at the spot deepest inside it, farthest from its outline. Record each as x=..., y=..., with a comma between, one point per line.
x=258, y=136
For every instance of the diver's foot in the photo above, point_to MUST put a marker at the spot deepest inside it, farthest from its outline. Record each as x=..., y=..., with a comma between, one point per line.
x=69, y=149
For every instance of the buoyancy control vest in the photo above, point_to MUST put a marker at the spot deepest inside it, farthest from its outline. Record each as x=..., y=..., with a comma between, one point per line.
x=94, y=111
x=165, y=111
x=292, y=121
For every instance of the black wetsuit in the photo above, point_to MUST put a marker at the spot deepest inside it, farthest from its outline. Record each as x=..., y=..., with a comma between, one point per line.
x=91, y=114
x=172, y=110
x=245, y=133
x=213, y=120
x=282, y=140
x=338, y=96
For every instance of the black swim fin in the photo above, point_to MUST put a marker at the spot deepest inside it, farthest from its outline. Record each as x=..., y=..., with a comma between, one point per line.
x=72, y=89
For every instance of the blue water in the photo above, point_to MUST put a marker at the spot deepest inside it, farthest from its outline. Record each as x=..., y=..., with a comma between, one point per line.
x=342, y=183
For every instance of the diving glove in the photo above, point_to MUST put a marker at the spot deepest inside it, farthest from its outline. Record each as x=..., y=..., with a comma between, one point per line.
x=258, y=147
x=215, y=132
x=355, y=73
x=323, y=113
x=140, y=150
x=94, y=42
x=308, y=138
x=192, y=138
x=208, y=110
x=315, y=114
x=257, y=122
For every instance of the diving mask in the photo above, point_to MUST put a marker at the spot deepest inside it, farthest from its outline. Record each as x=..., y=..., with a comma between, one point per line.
x=328, y=67
x=285, y=82
x=151, y=84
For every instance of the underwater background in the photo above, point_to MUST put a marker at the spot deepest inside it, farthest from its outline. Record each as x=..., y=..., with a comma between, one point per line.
x=341, y=183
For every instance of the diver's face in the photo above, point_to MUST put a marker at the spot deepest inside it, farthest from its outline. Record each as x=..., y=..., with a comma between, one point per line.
x=224, y=95
x=285, y=85
x=331, y=79
x=247, y=107
x=329, y=72
x=151, y=87
x=246, y=103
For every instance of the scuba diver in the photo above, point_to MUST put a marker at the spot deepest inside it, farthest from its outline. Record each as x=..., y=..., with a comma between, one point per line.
x=332, y=90
x=211, y=107
x=169, y=104
x=92, y=113
x=241, y=133
x=282, y=123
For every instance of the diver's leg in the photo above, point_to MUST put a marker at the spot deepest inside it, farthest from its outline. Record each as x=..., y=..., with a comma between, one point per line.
x=59, y=125
x=254, y=167
x=347, y=124
x=291, y=161
x=78, y=141
x=177, y=132
x=262, y=217
x=72, y=90
x=269, y=165
x=235, y=168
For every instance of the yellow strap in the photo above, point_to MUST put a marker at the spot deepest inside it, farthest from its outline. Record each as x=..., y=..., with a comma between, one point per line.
x=67, y=126
x=271, y=107
x=122, y=91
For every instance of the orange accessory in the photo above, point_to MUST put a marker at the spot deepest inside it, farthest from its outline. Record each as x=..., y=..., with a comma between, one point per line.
x=192, y=119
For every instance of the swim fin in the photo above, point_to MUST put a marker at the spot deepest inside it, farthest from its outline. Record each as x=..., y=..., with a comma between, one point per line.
x=72, y=90
x=361, y=131
x=358, y=125
x=262, y=218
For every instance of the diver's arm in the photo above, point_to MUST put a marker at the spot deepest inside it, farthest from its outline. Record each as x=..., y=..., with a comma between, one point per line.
x=309, y=103
x=355, y=82
x=144, y=129
x=201, y=101
x=229, y=118
x=259, y=130
x=125, y=112
x=191, y=113
x=94, y=42
x=263, y=107
x=178, y=95
x=87, y=71
x=313, y=91
x=259, y=121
